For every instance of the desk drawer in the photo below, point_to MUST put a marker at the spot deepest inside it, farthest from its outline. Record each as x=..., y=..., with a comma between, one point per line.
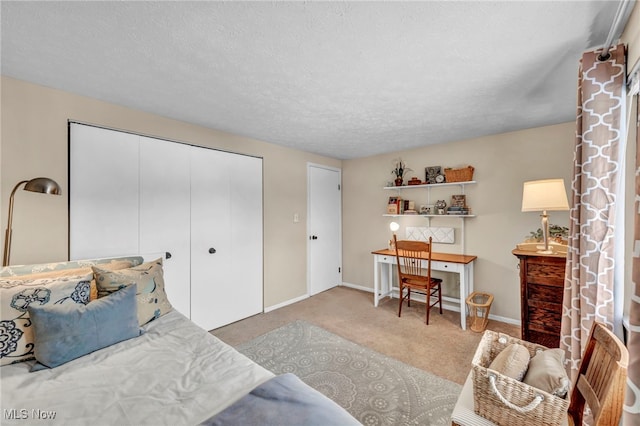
x=446, y=266
x=381, y=258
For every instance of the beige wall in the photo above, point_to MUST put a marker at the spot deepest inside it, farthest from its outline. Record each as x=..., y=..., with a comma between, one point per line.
x=502, y=162
x=631, y=37
x=34, y=143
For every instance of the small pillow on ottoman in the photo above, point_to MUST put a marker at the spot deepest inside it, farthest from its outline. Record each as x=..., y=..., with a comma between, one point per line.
x=547, y=372
x=512, y=361
x=65, y=332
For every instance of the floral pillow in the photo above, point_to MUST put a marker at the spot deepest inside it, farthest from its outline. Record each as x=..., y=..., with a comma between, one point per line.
x=16, y=331
x=150, y=295
x=58, y=273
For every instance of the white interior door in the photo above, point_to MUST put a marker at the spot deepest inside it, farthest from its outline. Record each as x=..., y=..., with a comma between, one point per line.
x=165, y=199
x=324, y=226
x=103, y=193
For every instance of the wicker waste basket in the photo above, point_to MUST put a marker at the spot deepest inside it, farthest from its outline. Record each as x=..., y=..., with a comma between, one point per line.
x=479, y=307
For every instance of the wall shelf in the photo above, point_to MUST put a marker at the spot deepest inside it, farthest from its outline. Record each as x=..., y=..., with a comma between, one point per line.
x=431, y=215
x=430, y=185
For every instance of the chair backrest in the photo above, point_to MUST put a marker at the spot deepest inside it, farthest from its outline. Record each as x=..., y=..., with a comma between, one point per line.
x=410, y=254
x=602, y=378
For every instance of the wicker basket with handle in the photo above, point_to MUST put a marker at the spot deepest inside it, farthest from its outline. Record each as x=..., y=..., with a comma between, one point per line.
x=506, y=401
x=464, y=174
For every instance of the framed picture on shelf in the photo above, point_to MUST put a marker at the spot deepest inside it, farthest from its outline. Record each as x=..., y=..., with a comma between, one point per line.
x=433, y=174
x=458, y=200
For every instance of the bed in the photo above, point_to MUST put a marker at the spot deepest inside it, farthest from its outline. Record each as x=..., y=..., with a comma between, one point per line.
x=172, y=373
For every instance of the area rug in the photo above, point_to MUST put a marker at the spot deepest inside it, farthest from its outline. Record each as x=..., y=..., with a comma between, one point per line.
x=374, y=388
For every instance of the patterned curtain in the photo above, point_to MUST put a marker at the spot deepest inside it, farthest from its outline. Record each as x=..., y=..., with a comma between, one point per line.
x=589, y=277
x=631, y=414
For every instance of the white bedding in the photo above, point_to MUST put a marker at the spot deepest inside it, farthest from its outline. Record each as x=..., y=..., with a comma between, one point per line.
x=174, y=374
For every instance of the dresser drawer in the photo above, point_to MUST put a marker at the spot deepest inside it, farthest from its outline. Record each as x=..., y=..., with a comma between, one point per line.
x=545, y=273
x=544, y=320
x=550, y=340
x=545, y=293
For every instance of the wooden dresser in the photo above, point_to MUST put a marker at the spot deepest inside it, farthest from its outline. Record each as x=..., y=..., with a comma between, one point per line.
x=541, y=290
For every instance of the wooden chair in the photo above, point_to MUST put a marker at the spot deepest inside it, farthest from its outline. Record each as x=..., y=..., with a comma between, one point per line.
x=600, y=384
x=412, y=276
x=602, y=379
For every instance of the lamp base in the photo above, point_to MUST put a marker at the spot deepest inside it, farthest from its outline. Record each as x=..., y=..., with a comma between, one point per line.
x=544, y=251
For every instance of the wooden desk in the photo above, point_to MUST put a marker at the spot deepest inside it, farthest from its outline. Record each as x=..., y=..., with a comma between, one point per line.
x=447, y=262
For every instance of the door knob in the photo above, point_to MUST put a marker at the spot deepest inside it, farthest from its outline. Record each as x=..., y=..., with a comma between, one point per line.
x=167, y=255
x=212, y=250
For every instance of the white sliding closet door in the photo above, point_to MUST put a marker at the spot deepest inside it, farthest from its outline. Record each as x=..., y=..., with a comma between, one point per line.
x=210, y=239
x=135, y=195
x=103, y=193
x=246, y=235
x=226, y=237
x=165, y=197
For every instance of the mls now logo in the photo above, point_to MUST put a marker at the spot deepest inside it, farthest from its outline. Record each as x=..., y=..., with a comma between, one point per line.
x=23, y=414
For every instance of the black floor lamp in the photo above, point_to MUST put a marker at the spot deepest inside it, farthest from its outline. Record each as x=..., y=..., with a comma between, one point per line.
x=41, y=185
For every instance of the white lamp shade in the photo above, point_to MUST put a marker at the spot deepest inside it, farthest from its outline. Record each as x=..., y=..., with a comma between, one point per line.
x=548, y=194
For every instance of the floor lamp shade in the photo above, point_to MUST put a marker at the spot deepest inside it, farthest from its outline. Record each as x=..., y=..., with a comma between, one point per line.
x=544, y=195
x=40, y=185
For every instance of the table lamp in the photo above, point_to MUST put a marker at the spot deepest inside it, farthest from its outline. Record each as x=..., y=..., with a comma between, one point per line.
x=41, y=185
x=544, y=195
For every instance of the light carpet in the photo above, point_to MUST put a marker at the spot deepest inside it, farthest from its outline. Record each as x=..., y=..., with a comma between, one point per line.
x=375, y=389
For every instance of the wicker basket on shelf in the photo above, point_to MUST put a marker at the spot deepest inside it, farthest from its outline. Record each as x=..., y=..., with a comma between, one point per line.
x=506, y=401
x=464, y=174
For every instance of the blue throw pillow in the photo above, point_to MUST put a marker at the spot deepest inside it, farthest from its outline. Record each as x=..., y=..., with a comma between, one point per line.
x=66, y=332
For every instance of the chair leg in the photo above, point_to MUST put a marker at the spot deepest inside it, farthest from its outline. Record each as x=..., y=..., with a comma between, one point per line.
x=440, y=297
x=428, y=303
x=400, y=301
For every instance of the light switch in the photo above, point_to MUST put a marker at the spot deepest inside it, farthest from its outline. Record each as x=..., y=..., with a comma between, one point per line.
x=296, y=218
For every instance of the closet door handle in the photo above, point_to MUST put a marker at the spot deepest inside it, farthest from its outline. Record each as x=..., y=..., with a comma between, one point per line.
x=212, y=250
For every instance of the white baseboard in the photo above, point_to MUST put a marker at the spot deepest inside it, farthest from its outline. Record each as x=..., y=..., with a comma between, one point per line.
x=357, y=287
x=445, y=304
x=285, y=303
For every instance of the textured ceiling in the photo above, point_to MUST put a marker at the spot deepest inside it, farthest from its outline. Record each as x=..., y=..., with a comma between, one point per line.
x=342, y=79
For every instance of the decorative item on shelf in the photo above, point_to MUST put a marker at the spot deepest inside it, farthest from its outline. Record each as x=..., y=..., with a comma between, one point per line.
x=441, y=206
x=543, y=195
x=458, y=205
x=397, y=205
x=400, y=168
x=414, y=181
x=424, y=209
x=464, y=174
x=432, y=173
x=459, y=200
x=393, y=206
x=454, y=210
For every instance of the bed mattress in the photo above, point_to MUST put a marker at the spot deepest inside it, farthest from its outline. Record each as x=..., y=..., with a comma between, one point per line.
x=174, y=374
